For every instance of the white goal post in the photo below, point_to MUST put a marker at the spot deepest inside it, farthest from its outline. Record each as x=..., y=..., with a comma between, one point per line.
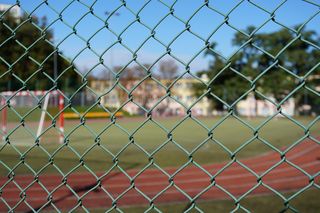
x=28, y=99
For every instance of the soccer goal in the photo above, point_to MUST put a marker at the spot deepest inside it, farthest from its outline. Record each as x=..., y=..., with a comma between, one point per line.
x=24, y=101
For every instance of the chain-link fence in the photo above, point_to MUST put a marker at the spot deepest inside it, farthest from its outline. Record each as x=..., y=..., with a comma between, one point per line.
x=160, y=105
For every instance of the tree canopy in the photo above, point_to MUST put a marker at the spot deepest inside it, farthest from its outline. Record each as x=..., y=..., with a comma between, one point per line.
x=27, y=58
x=275, y=63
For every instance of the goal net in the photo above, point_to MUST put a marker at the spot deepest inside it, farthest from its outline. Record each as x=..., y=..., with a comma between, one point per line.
x=39, y=108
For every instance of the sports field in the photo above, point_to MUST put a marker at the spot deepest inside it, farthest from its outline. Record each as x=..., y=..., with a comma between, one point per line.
x=114, y=139
x=95, y=146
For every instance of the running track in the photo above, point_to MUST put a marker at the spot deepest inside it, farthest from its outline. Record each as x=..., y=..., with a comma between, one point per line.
x=192, y=180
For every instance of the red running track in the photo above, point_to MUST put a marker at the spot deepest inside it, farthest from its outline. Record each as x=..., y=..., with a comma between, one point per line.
x=115, y=187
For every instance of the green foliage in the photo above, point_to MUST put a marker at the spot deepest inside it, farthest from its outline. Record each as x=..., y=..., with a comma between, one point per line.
x=274, y=64
x=27, y=58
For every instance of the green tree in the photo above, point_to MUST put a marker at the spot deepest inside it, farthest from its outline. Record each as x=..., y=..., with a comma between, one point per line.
x=281, y=56
x=27, y=58
x=297, y=59
x=227, y=86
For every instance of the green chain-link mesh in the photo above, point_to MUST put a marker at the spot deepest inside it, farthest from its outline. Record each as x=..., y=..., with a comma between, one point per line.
x=130, y=98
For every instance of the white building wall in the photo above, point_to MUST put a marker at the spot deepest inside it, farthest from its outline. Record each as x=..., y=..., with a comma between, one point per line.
x=264, y=108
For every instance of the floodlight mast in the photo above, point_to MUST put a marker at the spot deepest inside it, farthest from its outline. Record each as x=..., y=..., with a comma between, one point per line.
x=111, y=51
x=109, y=77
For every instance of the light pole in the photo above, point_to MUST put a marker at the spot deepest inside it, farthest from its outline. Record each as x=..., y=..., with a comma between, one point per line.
x=111, y=51
x=55, y=65
x=113, y=96
x=55, y=71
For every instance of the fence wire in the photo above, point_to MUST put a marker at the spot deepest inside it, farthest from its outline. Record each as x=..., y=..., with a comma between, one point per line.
x=82, y=81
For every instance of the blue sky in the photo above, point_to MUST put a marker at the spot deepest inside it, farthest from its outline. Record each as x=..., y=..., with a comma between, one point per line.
x=292, y=12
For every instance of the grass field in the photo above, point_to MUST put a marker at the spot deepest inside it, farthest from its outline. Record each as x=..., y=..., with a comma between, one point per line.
x=128, y=133
x=279, y=132
x=307, y=202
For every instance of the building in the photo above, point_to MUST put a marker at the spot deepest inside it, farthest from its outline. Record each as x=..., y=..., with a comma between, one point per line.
x=183, y=92
x=109, y=96
x=252, y=107
x=146, y=94
x=15, y=10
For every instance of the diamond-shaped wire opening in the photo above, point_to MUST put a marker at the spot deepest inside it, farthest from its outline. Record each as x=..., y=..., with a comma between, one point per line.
x=235, y=87
x=82, y=181
x=205, y=13
x=236, y=179
x=160, y=13
x=8, y=162
x=151, y=181
x=310, y=194
x=255, y=200
x=36, y=195
x=81, y=11
x=292, y=61
x=12, y=193
x=283, y=14
x=200, y=134
x=145, y=136
x=239, y=21
x=171, y=193
x=284, y=177
x=162, y=29
x=151, y=50
x=196, y=46
x=68, y=86
x=134, y=155
x=136, y=28
x=94, y=198
x=4, y=204
x=192, y=180
x=215, y=196
x=133, y=196
x=304, y=101
x=6, y=27
x=22, y=137
x=62, y=154
x=105, y=48
x=225, y=131
x=223, y=32
x=86, y=56
x=113, y=138
x=114, y=182
x=223, y=8
x=63, y=197
x=90, y=159
x=278, y=137
x=147, y=94
x=314, y=128
x=312, y=80
x=305, y=156
x=81, y=138
x=258, y=156
x=169, y=154
x=182, y=94
x=37, y=157
x=120, y=25
x=210, y=152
